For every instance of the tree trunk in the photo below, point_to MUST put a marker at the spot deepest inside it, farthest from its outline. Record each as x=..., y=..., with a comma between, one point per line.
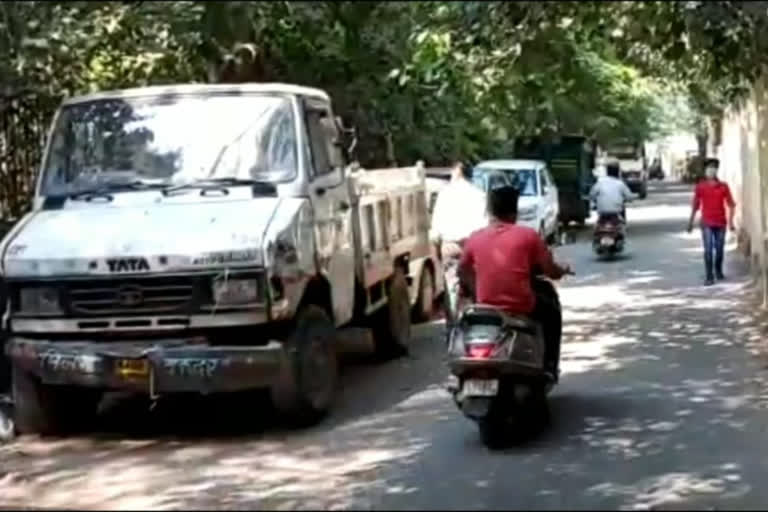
x=701, y=140
x=390, y=150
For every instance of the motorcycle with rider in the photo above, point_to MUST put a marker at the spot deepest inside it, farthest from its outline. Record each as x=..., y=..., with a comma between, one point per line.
x=504, y=345
x=610, y=195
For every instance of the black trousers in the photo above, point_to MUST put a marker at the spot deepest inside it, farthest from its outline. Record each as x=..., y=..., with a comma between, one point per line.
x=548, y=314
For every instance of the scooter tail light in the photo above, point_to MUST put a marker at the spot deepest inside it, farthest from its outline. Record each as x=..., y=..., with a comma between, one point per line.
x=480, y=351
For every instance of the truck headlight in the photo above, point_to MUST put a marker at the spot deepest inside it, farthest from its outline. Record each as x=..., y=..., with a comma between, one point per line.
x=528, y=213
x=39, y=300
x=235, y=291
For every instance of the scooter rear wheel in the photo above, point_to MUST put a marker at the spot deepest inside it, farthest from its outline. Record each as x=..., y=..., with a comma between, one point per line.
x=492, y=432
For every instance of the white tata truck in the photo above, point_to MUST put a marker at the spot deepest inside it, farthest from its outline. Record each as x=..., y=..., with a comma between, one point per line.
x=205, y=239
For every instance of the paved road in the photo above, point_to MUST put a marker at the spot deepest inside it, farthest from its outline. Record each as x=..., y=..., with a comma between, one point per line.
x=661, y=405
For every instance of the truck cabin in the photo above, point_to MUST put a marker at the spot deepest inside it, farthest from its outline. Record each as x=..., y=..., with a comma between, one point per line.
x=153, y=138
x=626, y=151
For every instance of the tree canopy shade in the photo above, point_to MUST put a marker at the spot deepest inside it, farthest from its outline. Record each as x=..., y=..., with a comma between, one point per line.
x=420, y=80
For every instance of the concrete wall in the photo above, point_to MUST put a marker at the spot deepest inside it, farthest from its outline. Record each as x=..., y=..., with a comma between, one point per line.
x=743, y=153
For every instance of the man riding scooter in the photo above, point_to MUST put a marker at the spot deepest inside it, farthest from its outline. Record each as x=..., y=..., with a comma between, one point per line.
x=610, y=194
x=500, y=264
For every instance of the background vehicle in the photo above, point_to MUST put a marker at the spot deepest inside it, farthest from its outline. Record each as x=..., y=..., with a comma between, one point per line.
x=655, y=171
x=632, y=164
x=538, y=206
x=436, y=178
x=7, y=428
x=163, y=255
x=637, y=181
x=571, y=162
x=497, y=362
x=426, y=278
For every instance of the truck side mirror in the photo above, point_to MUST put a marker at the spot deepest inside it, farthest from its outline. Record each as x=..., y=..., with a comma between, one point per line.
x=349, y=134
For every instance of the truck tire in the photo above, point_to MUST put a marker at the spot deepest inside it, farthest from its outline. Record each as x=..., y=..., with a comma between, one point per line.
x=306, y=392
x=392, y=323
x=425, y=299
x=49, y=410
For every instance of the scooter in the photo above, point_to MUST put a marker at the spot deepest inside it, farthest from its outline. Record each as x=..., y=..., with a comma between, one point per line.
x=609, y=235
x=499, y=378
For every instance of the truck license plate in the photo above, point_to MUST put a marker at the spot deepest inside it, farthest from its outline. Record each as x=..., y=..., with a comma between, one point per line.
x=132, y=368
x=478, y=387
x=606, y=241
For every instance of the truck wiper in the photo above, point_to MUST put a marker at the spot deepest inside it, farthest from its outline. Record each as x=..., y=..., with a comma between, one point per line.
x=262, y=187
x=105, y=189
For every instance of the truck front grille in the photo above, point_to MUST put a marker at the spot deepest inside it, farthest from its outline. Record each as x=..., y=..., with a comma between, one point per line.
x=135, y=296
x=138, y=296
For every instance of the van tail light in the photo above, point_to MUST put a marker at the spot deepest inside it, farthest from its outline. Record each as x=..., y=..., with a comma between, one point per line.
x=480, y=351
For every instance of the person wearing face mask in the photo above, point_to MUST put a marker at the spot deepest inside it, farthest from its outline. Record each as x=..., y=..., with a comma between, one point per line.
x=712, y=196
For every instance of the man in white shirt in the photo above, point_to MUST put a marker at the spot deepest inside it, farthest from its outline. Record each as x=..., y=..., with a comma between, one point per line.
x=460, y=210
x=610, y=193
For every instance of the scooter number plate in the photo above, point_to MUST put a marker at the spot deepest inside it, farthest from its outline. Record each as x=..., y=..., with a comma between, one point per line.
x=481, y=387
x=606, y=240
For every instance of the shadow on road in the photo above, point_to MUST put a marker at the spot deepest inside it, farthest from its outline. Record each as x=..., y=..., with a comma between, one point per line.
x=660, y=405
x=229, y=451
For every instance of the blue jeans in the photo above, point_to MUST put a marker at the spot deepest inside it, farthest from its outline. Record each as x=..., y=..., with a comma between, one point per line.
x=713, y=238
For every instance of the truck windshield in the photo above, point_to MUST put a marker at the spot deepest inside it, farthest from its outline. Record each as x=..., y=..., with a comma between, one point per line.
x=627, y=152
x=489, y=178
x=170, y=140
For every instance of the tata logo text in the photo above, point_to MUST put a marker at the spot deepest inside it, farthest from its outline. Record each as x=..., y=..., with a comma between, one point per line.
x=128, y=264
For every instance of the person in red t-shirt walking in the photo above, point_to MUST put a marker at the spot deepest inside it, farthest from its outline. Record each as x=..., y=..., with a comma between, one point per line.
x=499, y=264
x=712, y=196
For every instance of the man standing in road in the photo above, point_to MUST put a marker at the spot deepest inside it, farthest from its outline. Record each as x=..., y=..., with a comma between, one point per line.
x=460, y=209
x=712, y=196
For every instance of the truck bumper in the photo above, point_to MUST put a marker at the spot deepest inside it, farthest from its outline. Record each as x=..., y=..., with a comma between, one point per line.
x=157, y=367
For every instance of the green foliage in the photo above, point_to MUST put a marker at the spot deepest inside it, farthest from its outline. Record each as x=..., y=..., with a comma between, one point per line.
x=420, y=80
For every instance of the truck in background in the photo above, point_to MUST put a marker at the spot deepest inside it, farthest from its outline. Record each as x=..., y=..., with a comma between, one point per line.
x=204, y=238
x=571, y=162
x=633, y=164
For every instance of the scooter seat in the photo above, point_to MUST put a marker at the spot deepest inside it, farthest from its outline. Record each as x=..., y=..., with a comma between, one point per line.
x=475, y=313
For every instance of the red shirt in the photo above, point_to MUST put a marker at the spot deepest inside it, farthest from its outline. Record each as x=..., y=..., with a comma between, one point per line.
x=502, y=257
x=712, y=196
